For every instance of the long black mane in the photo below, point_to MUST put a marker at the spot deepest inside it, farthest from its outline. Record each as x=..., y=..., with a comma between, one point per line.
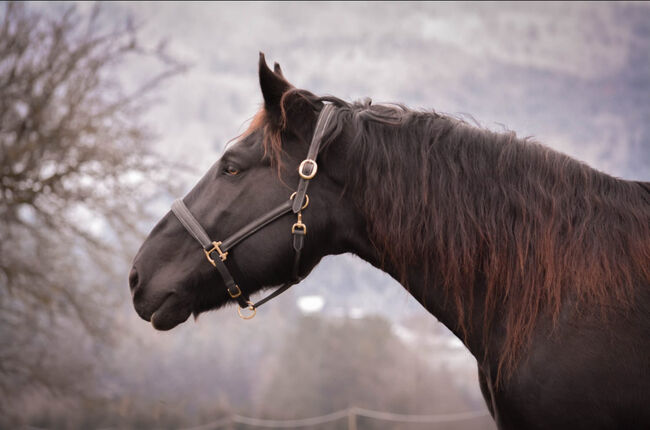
x=533, y=226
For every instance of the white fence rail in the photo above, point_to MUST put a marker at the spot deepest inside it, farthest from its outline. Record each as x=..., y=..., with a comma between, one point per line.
x=350, y=413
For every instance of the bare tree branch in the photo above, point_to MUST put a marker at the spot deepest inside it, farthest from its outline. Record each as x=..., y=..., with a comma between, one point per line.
x=76, y=174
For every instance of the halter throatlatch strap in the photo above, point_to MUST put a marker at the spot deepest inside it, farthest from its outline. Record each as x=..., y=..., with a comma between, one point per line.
x=217, y=252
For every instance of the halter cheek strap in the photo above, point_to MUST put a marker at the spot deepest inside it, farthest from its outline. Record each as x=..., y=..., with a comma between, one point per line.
x=308, y=168
x=217, y=251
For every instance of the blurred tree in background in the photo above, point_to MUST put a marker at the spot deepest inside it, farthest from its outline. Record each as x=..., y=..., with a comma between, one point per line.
x=75, y=171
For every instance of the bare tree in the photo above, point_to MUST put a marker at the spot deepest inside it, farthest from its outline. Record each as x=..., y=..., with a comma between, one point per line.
x=75, y=172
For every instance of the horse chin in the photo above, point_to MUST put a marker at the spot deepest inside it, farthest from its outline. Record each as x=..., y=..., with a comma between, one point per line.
x=169, y=315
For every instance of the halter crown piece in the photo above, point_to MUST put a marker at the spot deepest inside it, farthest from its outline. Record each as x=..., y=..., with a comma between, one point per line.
x=217, y=251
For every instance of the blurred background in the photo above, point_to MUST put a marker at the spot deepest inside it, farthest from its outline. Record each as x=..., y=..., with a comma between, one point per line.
x=109, y=112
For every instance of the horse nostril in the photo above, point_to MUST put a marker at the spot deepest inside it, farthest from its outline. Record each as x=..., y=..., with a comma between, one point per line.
x=133, y=278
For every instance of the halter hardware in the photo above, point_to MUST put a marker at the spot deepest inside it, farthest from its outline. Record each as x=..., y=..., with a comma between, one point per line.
x=298, y=229
x=250, y=307
x=215, y=247
x=306, y=200
x=299, y=226
x=301, y=169
x=236, y=294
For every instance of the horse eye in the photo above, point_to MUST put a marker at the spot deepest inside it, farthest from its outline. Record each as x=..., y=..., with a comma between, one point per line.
x=231, y=170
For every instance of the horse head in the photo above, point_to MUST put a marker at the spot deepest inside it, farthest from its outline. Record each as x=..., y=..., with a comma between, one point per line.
x=246, y=202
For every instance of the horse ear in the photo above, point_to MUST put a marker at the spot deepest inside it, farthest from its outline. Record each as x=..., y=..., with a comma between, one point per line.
x=273, y=87
x=277, y=69
x=299, y=108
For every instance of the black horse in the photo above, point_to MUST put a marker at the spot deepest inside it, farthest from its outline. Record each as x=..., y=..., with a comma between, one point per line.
x=539, y=263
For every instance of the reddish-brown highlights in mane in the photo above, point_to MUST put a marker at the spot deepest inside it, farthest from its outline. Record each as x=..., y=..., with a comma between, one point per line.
x=272, y=136
x=509, y=222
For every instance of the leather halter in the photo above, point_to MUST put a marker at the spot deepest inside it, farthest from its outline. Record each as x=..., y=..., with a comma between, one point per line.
x=217, y=251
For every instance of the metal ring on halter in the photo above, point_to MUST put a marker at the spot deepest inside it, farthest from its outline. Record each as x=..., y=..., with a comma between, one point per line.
x=302, y=167
x=306, y=201
x=250, y=308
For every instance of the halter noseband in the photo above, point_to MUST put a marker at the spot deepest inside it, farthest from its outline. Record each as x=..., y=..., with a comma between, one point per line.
x=217, y=251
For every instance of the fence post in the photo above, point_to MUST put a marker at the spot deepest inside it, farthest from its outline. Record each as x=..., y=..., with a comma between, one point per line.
x=352, y=419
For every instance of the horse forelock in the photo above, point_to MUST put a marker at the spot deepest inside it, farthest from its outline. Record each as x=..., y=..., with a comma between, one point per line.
x=271, y=136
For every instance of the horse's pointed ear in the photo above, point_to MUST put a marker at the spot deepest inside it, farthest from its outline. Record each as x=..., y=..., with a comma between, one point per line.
x=273, y=87
x=277, y=69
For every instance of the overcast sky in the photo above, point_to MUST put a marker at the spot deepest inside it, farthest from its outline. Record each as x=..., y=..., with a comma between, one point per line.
x=576, y=76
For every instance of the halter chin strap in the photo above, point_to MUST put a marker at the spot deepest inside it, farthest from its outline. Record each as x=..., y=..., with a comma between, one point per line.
x=217, y=251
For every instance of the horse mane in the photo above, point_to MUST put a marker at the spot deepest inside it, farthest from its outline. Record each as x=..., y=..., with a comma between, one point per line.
x=535, y=228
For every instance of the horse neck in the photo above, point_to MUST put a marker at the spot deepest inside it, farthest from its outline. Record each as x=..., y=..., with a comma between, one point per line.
x=427, y=290
x=444, y=203
x=429, y=293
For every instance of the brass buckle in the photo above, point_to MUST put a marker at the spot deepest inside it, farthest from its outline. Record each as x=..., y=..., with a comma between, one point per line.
x=237, y=294
x=299, y=225
x=302, y=167
x=250, y=308
x=292, y=196
x=215, y=247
